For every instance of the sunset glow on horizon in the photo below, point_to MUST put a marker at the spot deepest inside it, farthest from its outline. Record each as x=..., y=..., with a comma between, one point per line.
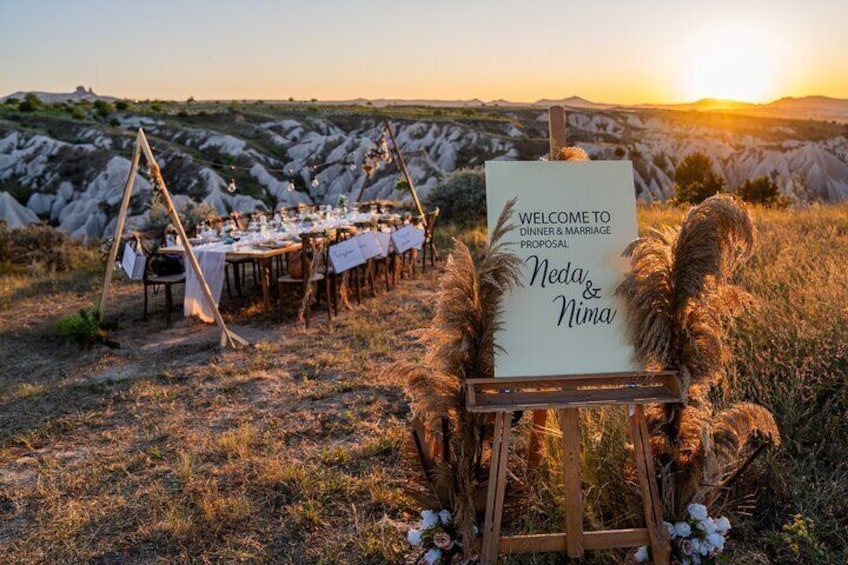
x=667, y=52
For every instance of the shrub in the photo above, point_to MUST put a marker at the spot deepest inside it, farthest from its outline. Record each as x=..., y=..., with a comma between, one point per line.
x=85, y=329
x=695, y=180
x=30, y=103
x=762, y=190
x=121, y=105
x=103, y=108
x=41, y=248
x=461, y=197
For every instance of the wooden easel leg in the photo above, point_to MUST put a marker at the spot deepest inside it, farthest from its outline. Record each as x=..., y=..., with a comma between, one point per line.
x=497, y=488
x=660, y=549
x=570, y=423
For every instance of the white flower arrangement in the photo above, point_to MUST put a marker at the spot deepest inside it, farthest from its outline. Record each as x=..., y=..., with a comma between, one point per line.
x=438, y=538
x=698, y=540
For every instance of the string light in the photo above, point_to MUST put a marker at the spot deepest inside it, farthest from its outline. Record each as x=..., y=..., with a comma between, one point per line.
x=373, y=159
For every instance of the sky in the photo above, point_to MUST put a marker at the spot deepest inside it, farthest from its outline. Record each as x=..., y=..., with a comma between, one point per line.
x=613, y=51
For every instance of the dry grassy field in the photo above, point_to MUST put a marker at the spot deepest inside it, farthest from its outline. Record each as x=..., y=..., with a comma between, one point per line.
x=172, y=450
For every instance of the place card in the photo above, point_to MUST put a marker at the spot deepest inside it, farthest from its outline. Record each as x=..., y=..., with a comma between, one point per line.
x=408, y=237
x=369, y=245
x=346, y=255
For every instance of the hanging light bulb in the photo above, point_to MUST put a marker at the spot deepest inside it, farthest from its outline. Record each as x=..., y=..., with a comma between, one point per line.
x=315, y=182
x=291, y=172
x=232, y=186
x=290, y=187
x=353, y=166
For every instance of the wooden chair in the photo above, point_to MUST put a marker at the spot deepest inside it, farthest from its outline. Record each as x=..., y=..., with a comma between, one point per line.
x=151, y=279
x=239, y=264
x=313, y=272
x=430, y=220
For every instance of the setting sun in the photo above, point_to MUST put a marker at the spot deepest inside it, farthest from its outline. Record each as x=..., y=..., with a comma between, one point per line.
x=732, y=63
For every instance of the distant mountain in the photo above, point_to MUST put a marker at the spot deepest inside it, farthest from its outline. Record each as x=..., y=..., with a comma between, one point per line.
x=386, y=102
x=81, y=93
x=805, y=108
x=705, y=105
x=572, y=102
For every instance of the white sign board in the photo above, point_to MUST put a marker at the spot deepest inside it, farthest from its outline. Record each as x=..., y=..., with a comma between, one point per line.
x=408, y=237
x=345, y=255
x=573, y=220
x=369, y=245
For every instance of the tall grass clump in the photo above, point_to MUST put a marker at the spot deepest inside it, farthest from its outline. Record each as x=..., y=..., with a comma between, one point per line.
x=681, y=305
x=39, y=249
x=791, y=355
x=459, y=345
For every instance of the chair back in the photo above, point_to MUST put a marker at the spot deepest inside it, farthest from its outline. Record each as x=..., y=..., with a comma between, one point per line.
x=430, y=219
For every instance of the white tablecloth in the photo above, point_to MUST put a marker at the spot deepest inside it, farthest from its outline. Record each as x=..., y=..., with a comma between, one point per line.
x=211, y=260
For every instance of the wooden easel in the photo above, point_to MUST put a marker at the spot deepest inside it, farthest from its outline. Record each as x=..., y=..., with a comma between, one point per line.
x=567, y=394
x=228, y=337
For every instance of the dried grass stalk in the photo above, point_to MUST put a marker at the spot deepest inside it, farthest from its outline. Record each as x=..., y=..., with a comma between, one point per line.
x=681, y=305
x=459, y=345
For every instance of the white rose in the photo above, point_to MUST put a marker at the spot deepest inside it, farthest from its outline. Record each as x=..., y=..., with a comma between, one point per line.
x=685, y=562
x=704, y=549
x=414, y=537
x=445, y=517
x=696, y=546
x=722, y=525
x=717, y=541
x=707, y=525
x=669, y=527
x=641, y=554
x=682, y=529
x=432, y=556
x=697, y=511
x=429, y=519
x=696, y=559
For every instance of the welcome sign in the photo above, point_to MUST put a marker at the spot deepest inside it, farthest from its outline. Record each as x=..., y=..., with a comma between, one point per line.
x=573, y=220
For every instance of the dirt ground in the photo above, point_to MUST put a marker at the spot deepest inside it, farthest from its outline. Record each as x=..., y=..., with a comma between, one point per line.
x=172, y=449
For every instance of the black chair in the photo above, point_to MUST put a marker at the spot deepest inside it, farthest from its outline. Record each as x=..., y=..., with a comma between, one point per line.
x=162, y=271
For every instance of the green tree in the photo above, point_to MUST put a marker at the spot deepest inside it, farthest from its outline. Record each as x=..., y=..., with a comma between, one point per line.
x=762, y=190
x=30, y=103
x=695, y=180
x=103, y=108
x=122, y=105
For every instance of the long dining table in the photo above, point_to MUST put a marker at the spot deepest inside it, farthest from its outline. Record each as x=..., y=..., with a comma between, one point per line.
x=263, y=251
x=265, y=246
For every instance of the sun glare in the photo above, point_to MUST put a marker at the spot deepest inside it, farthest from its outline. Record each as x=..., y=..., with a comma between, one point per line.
x=732, y=63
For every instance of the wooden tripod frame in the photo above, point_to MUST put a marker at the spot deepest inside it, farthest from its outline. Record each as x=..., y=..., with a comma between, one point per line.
x=228, y=337
x=567, y=394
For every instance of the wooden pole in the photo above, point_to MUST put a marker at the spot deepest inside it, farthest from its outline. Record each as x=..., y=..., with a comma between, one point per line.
x=644, y=459
x=405, y=171
x=362, y=188
x=556, y=127
x=119, y=230
x=556, y=132
x=570, y=425
x=227, y=337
